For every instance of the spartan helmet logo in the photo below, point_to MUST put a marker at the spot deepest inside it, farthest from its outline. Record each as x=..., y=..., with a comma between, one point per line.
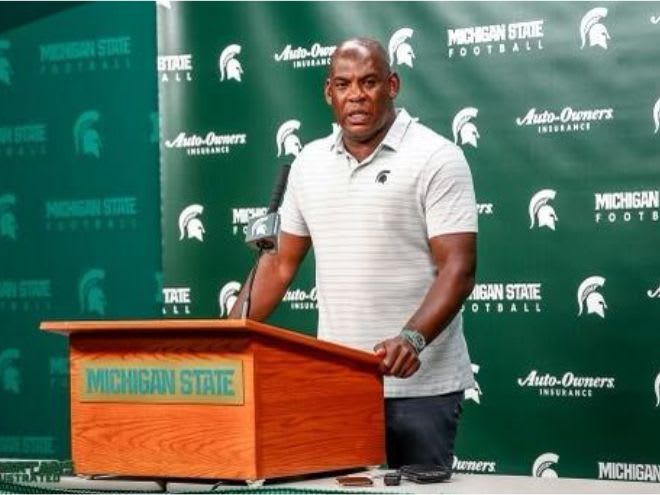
x=190, y=226
x=474, y=393
x=230, y=67
x=260, y=227
x=656, y=116
x=400, y=51
x=464, y=128
x=9, y=374
x=587, y=293
x=87, y=141
x=541, y=467
x=92, y=297
x=541, y=211
x=381, y=178
x=287, y=140
x=227, y=298
x=5, y=67
x=8, y=225
x=590, y=27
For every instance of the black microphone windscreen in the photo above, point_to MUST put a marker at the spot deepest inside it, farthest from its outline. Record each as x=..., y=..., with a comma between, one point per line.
x=278, y=190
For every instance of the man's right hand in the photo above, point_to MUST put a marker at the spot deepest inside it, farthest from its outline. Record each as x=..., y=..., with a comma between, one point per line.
x=274, y=274
x=399, y=357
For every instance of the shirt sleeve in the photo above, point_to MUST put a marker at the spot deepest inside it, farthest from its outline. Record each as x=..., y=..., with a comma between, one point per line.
x=292, y=220
x=448, y=195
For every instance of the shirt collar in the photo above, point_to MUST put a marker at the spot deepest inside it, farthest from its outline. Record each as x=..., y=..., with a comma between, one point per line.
x=392, y=139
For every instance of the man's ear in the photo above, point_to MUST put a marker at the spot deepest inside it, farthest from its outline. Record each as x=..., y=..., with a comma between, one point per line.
x=394, y=84
x=326, y=92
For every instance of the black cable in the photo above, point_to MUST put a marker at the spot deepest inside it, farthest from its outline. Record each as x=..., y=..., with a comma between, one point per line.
x=245, y=311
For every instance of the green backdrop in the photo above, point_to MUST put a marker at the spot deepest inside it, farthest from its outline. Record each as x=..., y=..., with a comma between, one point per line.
x=556, y=106
x=553, y=105
x=79, y=197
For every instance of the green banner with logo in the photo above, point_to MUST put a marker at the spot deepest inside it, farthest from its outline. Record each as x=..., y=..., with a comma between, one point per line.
x=79, y=197
x=557, y=109
x=555, y=105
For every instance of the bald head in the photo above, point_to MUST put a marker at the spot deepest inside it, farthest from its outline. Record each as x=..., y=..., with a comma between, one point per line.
x=360, y=48
x=361, y=90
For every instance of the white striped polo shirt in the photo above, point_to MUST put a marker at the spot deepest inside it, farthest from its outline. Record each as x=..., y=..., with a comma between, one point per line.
x=370, y=223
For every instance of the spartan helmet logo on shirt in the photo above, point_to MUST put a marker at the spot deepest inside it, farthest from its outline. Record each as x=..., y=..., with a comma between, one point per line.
x=9, y=374
x=463, y=128
x=230, y=67
x=587, y=294
x=86, y=139
x=542, y=464
x=190, y=226
x=5, y=67
x=591, y=29
x=92, y=296
x=227, y=297
x=475, y=392
x=656, y=116
x=540, y=212
x=401, y=53
x=381, y=178
x=287, y=141
x=8, y=227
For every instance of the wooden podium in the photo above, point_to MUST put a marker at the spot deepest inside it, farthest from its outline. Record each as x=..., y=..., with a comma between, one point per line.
x=222, y=399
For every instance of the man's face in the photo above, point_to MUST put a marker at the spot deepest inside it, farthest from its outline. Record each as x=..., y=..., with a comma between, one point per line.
x=360, y=90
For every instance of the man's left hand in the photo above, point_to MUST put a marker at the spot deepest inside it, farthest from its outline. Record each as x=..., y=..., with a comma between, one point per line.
x=399, y=357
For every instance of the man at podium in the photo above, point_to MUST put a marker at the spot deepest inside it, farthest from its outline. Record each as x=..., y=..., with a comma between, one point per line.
x=389, y=207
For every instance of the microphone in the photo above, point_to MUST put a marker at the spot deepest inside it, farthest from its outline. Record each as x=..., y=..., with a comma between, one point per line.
x=262, y=232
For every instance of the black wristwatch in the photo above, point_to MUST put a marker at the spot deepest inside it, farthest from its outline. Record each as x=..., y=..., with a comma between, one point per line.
x=415, y=338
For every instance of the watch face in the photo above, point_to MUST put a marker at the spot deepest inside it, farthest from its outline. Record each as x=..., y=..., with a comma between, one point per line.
x=415, y=338
x=418, y=341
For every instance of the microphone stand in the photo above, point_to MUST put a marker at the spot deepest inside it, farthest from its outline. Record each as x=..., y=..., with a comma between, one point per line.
x=245, y=309
x=265, y=245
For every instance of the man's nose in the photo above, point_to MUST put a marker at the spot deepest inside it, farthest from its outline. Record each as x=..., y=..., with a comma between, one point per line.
x=355, y=92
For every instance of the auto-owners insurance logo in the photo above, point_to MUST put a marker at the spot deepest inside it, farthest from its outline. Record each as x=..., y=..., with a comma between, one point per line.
x=495, y=39
x=210, y=143
x=566, y=385
x=315, y=55
x=564, y=120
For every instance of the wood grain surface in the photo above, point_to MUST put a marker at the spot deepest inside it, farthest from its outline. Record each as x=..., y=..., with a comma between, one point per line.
x=164, y=440
x=315, y=412
x=168, y=327
x=310, y=406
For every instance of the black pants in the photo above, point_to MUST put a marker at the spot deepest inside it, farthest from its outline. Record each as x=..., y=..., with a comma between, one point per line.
x=422, y=430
